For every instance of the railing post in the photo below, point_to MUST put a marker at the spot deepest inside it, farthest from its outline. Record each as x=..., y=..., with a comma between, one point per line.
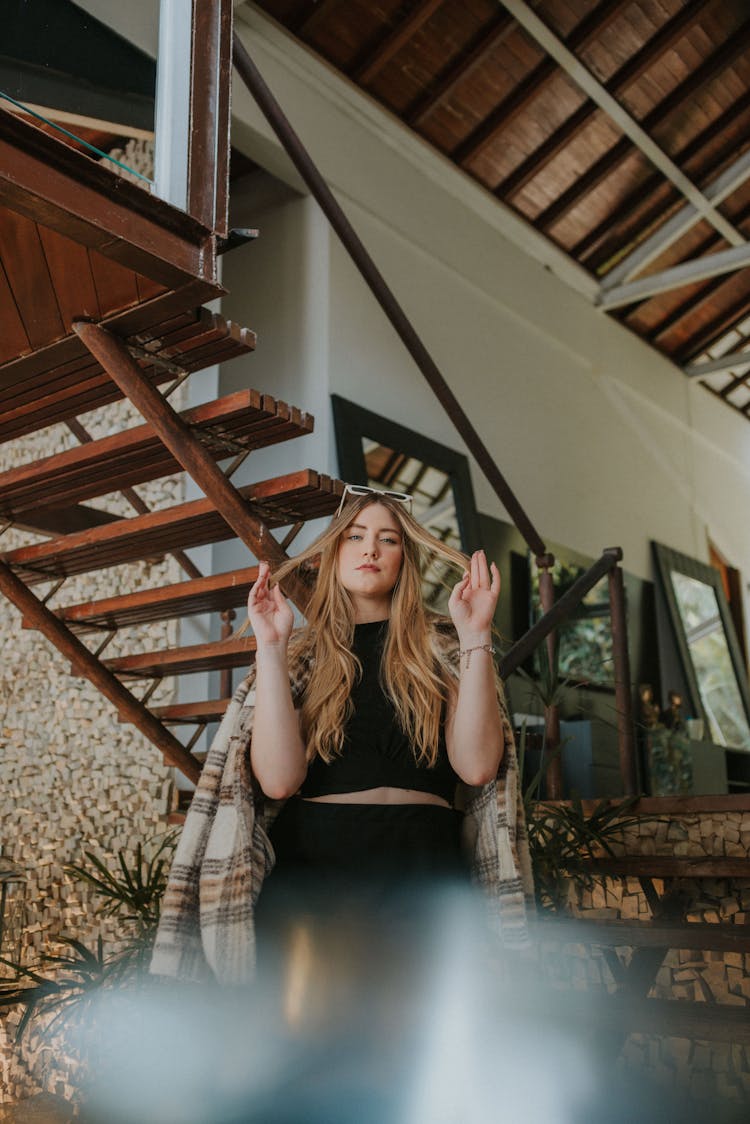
x=552, y=755
x=623, y=694
x=225, y=675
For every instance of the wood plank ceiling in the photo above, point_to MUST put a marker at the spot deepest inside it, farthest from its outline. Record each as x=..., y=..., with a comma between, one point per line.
x=473, y=79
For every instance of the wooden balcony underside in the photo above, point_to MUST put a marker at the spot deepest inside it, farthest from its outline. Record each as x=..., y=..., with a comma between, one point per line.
x=48, y=183
x=64, y=380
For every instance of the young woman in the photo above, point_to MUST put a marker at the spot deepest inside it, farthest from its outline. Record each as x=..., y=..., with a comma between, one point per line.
x=370, y=757
x=368, y=722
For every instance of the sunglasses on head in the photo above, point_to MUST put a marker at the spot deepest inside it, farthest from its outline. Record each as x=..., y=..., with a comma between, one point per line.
x=363, y=490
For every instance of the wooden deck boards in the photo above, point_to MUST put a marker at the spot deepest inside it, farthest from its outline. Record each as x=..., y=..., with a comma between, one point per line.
x=243, y=420
x=280, y=501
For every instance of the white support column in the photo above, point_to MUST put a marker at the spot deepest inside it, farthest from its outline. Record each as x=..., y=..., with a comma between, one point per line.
x=733, y=361
x=698, y=269
x=729, y=180
x=173, y=101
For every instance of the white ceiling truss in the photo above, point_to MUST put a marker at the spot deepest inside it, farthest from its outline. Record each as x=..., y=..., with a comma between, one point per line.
x=618, y=290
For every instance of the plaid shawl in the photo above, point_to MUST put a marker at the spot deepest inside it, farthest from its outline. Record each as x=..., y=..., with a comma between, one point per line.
x=224, y=854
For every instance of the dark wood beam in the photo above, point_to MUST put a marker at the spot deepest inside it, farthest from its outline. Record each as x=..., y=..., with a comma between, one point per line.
x=628, y=73
x=315, y=12
x=487, y=131
x=394, y=40
x=188, y=450
x=710, y=333
x=210, y=86
x=85, y=663
x=611, y=160
x=64, y=521
x=50, y=183
x=483, y=43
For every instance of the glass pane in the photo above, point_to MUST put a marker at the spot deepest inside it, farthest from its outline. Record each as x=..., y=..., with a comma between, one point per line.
x=585, y=640
x=709, y=651
x=434, y=506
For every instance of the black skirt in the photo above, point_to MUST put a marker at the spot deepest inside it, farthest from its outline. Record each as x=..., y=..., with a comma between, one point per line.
x=338, y=862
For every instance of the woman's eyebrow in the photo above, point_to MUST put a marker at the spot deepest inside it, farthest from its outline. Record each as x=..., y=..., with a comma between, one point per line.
x=361, y=527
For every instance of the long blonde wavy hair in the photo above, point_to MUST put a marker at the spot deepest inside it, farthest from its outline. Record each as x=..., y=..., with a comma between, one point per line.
x=410, y=673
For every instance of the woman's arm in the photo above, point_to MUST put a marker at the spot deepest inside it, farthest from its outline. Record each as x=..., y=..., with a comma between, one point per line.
x=474, y=728
x=277, y=752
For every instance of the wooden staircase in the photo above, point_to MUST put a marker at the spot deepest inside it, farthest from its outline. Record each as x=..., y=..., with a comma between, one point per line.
x=101, y=292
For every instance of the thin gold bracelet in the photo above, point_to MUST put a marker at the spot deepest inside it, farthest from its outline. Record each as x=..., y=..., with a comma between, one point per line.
x=477, y=648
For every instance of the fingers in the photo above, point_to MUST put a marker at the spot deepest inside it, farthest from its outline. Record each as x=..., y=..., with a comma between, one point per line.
x=259, y=590
x=459, y=588
x=481, y=576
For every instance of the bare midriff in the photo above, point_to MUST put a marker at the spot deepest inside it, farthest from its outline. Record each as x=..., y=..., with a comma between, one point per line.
x=380, y=796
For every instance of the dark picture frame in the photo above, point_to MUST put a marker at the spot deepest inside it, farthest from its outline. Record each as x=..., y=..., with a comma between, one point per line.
x=672, y=568
x=352, y=424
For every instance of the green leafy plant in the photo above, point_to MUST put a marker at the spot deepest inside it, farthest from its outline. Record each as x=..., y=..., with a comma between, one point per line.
x=132, y=894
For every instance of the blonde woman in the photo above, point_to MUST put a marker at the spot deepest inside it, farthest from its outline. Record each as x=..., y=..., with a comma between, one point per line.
x=369, y=757
x=371, y=723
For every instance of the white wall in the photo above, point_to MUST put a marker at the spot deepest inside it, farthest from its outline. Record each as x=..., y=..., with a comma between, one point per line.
x=603, y=440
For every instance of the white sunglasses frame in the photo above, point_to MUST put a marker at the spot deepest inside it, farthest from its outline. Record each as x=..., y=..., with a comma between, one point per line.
x=364, y=490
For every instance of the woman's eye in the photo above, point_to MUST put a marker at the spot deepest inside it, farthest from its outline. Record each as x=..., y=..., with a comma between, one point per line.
x=392, y=542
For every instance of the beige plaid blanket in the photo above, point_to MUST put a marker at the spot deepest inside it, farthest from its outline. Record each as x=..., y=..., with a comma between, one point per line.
x=223, y=855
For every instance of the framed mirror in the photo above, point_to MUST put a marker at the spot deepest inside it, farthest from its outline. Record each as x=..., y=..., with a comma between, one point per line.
x=376, y=451
x=707, y=646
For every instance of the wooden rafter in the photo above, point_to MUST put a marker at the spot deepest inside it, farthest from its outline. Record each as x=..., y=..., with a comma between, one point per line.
x=625, y=76
x=612, y=159
x=484, y=42
x=524, y=93
x=392, y=42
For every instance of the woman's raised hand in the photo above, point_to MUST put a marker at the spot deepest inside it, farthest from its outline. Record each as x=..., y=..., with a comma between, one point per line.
x=474, y=598
x=270, y=615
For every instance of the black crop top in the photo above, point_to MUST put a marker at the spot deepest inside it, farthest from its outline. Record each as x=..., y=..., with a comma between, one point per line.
x=376, y=752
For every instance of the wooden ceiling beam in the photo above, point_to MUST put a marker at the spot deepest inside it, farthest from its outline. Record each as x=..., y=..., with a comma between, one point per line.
x=628, y=73
x=394, y=40
x=611, y=160
x=50, y=183
x=519, y=98
x=483, y=43
x=711, y=333
x=315, y=13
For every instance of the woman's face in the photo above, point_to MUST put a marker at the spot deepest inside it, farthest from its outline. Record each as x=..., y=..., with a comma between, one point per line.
x=369, y=558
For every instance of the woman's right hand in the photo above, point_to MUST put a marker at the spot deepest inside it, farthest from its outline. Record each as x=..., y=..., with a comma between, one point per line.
x=270, y=614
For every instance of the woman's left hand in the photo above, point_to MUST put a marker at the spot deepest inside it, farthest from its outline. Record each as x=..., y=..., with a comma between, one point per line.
x=473, y=600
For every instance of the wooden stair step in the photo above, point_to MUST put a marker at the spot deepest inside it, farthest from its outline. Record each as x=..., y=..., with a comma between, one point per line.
x=194, y=712
x=593, y=1012
x=667, y=866
x=237, y=651
x=181, y=599
x=645, y=934
x=64, y=380
x=243, y=420
x=279, y=501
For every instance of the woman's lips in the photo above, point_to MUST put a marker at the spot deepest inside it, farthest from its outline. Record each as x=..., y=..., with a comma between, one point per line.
x=375, y=569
